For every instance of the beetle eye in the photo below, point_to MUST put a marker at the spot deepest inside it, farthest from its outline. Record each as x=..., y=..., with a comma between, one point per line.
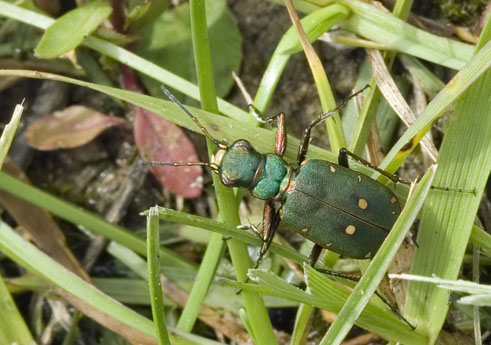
x=243, y=144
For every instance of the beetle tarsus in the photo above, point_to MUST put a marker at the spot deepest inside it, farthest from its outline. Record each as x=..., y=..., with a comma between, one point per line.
x=314, y=254
x=343, y=158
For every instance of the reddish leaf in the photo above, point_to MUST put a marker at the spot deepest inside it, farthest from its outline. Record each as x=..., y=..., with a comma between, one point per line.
x=162, y=141
x=71, y=127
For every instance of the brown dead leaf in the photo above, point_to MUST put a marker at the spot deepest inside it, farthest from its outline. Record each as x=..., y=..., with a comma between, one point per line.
x=71, y=127
x=162, y=141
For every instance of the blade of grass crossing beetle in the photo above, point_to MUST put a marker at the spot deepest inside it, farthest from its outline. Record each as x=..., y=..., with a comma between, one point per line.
x=378, y=266
x=461, y=82
x=445, y=228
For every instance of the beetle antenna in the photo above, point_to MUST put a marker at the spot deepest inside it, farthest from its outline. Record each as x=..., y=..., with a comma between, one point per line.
x=195, y=120
x=212, y=166
x=177, y=164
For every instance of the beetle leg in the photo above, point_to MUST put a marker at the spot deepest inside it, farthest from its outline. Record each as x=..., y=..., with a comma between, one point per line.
x=281, y=132
x=271, y=220
x=259, y=116
x=314, y=254
x=280, y=135
x=304, y=143
x=251, y=227
x=343, y=159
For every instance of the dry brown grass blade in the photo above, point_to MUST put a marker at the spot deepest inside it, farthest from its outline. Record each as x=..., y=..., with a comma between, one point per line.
x=389, y=89
x=225, y=324
x=39, y=225
x=133, y=335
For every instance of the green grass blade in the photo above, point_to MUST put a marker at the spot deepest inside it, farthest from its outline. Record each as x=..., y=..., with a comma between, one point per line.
x=464, y=162
x=260, y=323
x=428, y=81
x=481, y=238
x=302, y=323
x=314, y=25
x=461, y=82
x=379, y=265
x=13, y=329
x=326, y=97
x=156, y=296
x=124, y=56
x=216, y=244
x=219, y=126
x=30, y=257
x=373, y=100
x=453, y=285
x=327, y=294
x=129, y=258
x=382, y=27
x=228, y=231
x=81, y=217
x=9, y=133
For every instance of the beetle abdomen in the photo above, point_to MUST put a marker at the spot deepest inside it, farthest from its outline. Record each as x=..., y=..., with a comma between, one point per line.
x=340, y=209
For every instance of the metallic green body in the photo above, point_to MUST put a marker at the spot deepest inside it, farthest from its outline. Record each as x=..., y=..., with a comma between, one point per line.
x=339, y=209
x=333, y=206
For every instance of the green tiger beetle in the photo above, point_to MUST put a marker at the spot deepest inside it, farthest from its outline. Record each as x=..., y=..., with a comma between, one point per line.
x=331, y=205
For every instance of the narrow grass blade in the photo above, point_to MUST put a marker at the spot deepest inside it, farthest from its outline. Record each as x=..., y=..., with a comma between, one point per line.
x=81, y=217
x=429, y=82
x=226, y=230
x=327, y=294
x=464, y=162
x=328, y=103
x=302, y=324
x=315, y=24
x=156, y=296
x=124, y=56
x=219, y=126
x=384, y=28
x=460, y=83
x=215, y=247
x=13, y=329
x=370, y=22
x=9, y=133
x=453, y=285
x=30, y=257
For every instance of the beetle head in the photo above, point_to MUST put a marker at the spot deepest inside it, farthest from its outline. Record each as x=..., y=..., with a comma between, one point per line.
x=238, y=164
